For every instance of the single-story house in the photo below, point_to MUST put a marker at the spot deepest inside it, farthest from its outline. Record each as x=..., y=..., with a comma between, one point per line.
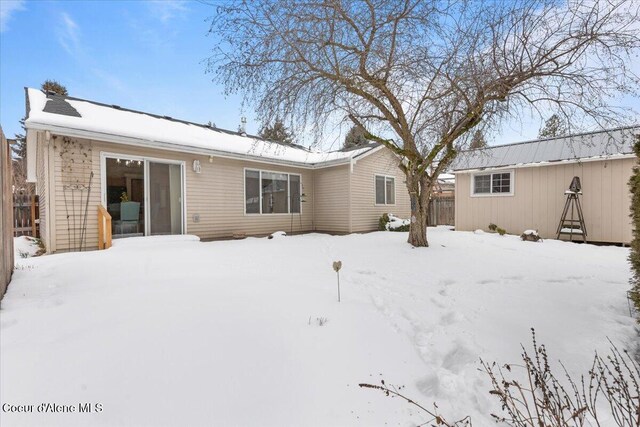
x=158, y=175
x=522, y=186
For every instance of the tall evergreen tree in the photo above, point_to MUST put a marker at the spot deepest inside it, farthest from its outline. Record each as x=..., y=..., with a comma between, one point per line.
x=554, y=126
x=19, y=148
x=477, y=140
x=55, y=87
x=355, y=137
x=277, y=132
x=634, y=256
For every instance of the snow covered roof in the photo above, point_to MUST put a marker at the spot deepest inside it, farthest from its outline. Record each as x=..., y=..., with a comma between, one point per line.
x=83, y=118
x=594, y=145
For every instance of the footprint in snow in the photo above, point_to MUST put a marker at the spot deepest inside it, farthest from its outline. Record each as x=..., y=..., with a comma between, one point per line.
x=447, y=282
x=437, y=303
x=451, y=317
x=366, y=272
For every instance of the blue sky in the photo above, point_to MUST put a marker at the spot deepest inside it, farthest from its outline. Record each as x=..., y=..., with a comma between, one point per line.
x=144, y=55
x=141, y=55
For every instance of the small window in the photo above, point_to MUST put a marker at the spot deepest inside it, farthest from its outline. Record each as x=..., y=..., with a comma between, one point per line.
x=492, y=183
x=296, y=196
x=252, y=191
x=482, y=184
x=501, y=183
x=275, y=192
x=385, y=190
x=391, y=191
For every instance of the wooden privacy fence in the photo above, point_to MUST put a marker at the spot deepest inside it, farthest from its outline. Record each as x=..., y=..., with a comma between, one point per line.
x=26, y=213
x=6, y=213
x=442, y=211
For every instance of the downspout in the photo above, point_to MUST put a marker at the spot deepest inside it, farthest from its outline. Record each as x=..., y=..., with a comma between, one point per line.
x=313, y=201
x=352, y=162
x=49, y=169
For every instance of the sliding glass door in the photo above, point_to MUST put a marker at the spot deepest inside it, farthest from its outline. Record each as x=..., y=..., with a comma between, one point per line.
x=165, y=198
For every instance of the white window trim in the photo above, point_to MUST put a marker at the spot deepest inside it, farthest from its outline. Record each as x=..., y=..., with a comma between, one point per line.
x=260, y=171
x=395, y=191
x=512, y=183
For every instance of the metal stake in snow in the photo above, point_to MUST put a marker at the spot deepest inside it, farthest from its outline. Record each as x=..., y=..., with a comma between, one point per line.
x=337, y=265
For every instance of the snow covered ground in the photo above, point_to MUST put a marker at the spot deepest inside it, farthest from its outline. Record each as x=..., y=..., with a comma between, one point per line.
x=25, y=247
x=172, y=331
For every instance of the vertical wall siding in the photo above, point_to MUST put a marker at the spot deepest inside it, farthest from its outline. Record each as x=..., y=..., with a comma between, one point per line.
x=216, y=195
x=539, y=198
x=331, y=189
x=365, y=212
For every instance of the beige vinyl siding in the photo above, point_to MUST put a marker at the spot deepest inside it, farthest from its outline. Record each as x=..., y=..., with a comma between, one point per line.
x=216, y=195
x=67, y=206
x=365, y=212
x=331, y=188
x=539, y=198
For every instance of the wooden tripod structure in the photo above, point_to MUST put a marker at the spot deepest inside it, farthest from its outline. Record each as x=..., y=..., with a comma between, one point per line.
x=572, y=226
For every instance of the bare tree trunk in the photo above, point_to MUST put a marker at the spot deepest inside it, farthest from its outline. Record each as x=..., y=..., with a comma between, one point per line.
x=419, y=191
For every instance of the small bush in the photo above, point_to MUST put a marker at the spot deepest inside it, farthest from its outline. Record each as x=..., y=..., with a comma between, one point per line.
x=401, y=228
x=389, y=222
x=501, y=231
x=319, y=321
x=493, y=227
x=531, y=236
x=382, y=222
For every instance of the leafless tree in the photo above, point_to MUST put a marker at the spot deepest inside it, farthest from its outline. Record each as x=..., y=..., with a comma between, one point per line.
x=419, y=75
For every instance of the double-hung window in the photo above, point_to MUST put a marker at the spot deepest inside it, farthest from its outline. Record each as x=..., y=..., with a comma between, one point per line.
x=498, y=183
x=271, y=192
x=385, y=190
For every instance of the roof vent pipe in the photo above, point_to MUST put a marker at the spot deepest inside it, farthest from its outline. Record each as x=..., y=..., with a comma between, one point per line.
x=242, y=129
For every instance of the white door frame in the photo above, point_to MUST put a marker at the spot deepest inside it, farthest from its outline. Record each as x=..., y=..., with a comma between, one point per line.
x=145, y=160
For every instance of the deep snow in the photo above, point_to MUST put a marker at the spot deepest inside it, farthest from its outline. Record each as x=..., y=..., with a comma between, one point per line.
x=25, y=247
x=172, y=331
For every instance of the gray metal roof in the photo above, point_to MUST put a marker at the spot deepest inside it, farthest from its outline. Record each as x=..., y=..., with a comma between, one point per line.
x=604, y=143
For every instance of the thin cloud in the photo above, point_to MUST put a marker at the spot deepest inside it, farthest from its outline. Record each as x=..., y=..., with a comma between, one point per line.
x=168, y=10
x=69, y=34
x=7, y=9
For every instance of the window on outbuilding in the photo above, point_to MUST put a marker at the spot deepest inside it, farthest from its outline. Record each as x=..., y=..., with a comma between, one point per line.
x=493, y=183
x=385, y=190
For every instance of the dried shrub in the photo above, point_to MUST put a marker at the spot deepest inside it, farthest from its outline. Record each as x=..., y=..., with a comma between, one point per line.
x=548, y=400
x=435, y=418
x=544, y=398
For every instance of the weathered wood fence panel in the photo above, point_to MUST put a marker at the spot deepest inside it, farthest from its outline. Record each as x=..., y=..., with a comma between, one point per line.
x=26, y=213
x=6, y=216
x=442, y=211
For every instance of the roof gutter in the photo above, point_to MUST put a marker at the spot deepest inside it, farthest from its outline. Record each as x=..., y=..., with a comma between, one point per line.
x=145, y=143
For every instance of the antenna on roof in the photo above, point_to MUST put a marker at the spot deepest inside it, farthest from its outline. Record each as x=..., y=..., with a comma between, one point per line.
x=242, y=129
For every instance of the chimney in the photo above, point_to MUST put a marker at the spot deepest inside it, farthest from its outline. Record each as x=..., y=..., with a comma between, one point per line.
x=242, y=129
